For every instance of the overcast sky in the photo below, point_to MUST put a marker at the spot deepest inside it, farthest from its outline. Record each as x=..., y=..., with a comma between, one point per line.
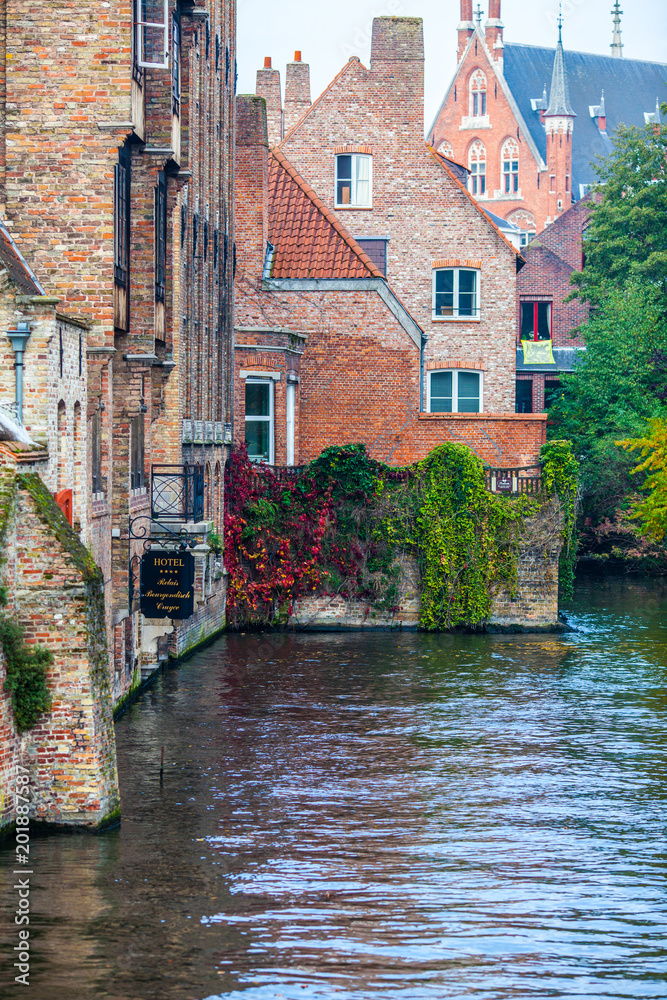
x=329, y=33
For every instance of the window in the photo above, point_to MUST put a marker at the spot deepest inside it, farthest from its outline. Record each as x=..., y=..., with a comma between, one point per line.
x=160, y=236
x=510, y=166
x=445, y=149
x=353, y=180
x=526, y=237
x=137, y=452
x=376, y=249
x=477, y=165
x=536, y=320
x=567, y=183
x=152, y=40
x=121, y=217
x=524, y=395
x=552, y=183
x=96, y=448
x=455, y=392
x=176, y=64
x=456, y=293
x=259, y=420
x=477, y=94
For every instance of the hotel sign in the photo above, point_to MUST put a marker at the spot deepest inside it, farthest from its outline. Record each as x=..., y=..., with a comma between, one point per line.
x=167, y=584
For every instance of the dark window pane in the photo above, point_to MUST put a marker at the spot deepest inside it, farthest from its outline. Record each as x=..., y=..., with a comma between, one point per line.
x=524, y=396
x=257, y=399
x=377, y=251
x=527, y=314
x=441, y=392
x=444, y=293
x=343, y=180
x=543, y=320
x=468, y=392
x=257, y=440
x=467, y=288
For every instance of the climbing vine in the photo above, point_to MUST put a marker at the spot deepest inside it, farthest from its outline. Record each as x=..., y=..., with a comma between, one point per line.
x=342, y=525
x=26, y=674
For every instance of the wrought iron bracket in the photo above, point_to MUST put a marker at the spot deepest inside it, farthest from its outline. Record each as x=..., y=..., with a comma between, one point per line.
x=182, y=539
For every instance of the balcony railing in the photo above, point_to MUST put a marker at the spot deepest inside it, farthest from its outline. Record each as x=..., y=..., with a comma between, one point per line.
x=177, y=492
x=524, y=479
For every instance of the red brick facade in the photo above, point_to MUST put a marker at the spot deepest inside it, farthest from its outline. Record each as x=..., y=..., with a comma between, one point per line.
x=477, y=123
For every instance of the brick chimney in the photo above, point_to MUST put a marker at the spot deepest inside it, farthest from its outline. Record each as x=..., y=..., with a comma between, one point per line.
x=493, y=30
x=397, y=64
x=252, y=185
x=466, y=27
x=268, y=87
x=297, y=92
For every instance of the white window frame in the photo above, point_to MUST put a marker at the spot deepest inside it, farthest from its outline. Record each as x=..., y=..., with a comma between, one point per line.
x=354, y=157
x=162, y=26
x=455, y=316
x=455, y=372
x=271, y=417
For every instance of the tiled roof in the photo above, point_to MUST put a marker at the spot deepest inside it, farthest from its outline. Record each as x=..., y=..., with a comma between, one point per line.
x=19, y=271
x=308, y=239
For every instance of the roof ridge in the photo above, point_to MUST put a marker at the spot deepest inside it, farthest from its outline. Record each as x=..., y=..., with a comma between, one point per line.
x=537, y=245
x=330, y=216
x=580, y=52
x=318, y=99
x=470, y=198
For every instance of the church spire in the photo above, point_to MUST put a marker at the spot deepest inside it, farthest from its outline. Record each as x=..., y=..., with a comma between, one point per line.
x=617, y=44
x=559, y=96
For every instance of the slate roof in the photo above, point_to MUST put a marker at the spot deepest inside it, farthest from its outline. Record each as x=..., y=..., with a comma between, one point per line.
x=630, y=89
x=17, y=267
x=308, y=239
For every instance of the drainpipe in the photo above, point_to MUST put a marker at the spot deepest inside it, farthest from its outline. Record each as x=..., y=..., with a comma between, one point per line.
x=19, y=339
x=421, y=373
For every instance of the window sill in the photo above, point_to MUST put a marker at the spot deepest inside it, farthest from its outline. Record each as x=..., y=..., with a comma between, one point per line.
x=353, y=208
x=474, y=122
x=456, y=319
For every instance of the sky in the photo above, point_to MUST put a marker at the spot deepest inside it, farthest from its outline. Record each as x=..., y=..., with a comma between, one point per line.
x=329, y=33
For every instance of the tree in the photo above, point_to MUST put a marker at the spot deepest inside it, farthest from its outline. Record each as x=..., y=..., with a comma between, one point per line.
x=651, y=512
x=626, y=240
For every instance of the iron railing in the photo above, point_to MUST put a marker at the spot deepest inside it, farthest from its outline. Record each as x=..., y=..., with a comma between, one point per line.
x=177, y=492
x=521, y=479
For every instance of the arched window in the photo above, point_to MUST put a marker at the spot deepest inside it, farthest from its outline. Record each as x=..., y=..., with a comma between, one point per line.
x=477, y=94
x=509, y=166
x=477, y=165
x=446, y=149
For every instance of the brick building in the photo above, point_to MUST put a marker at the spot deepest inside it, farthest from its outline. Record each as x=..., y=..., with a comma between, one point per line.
x=326, y=351
x=116, y=187
x=529, y=122
x=360, y=146
x=544, y=318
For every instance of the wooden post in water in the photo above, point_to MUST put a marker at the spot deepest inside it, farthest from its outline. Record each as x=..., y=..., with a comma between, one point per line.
x=162, y=766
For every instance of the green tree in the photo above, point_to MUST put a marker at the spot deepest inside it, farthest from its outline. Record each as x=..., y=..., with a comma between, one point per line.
x=626, y=240
x=651, y=512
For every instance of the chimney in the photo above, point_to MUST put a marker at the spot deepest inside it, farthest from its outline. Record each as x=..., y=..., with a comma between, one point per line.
x=297, y=91
x=268, y=87
x=252, y=186
x=493, y=30
x=397, y=63
x=466, y=27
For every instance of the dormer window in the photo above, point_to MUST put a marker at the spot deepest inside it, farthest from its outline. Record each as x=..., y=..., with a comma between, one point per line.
x=354, y=172
x=477, y=94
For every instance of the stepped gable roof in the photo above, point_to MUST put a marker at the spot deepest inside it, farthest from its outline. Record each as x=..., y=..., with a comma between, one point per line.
x=308, y=239
x=17, y=267
x=630, y=89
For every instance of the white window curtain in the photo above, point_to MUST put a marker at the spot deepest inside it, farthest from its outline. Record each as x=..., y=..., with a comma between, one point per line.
x=363, y=179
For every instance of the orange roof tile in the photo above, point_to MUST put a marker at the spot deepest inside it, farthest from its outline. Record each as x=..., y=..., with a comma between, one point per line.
x=308, y=238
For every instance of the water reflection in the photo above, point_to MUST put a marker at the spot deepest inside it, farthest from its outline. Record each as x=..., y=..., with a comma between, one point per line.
x=388, y=815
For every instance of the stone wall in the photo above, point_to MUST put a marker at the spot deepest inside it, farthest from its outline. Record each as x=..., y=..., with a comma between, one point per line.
x=56, y=594
x=532, y=606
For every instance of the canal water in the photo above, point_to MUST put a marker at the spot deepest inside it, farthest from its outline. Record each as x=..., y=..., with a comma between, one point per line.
x=390, y=815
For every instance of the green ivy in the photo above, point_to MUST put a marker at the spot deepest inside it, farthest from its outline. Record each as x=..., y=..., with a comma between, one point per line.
x=26, y=674
x=560, y=475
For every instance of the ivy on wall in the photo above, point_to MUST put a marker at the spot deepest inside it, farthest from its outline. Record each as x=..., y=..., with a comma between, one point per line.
x=26, y=674
x=342, y=524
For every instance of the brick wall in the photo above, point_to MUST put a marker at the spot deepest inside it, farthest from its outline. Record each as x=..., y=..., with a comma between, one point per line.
x=416, y=202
